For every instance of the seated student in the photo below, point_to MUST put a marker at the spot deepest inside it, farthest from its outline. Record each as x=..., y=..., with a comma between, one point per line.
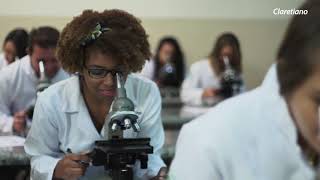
x=18, y=81
x=71, y=114
x=167, y=68
x=203, y=84
x=14, y=46
x=273, y=131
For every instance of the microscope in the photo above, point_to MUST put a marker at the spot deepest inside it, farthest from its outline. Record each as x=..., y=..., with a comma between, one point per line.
x=43, y=84
x=44, y=81
x=168, y=73
x=231, y=82
x=117, y=154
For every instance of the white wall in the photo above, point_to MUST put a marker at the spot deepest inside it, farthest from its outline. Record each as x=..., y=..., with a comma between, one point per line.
x=196, y=23
x=231, y=9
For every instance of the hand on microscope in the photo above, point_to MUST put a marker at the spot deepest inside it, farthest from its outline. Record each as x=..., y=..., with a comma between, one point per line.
x=209, y=92
x=162, y=174
x=71, y=166
x=19, y=122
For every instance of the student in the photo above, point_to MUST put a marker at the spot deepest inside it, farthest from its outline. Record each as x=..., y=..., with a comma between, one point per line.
x=204, y=80
x=71, y=114
x=19, y=80
x=271, y=132
x=167, y=68
x=14, y=46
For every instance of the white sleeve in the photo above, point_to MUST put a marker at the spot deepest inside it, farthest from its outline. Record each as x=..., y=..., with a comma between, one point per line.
x=148, y=69
x=243, y=87
x=193, y=159
x=151, y=126
x=191, y=92
x=42, y=142
x=6, y=118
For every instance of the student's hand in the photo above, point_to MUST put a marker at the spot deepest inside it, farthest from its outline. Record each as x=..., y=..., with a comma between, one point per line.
x=209, y=92
x=162, y=174
x=70, y=168
x=19, y=122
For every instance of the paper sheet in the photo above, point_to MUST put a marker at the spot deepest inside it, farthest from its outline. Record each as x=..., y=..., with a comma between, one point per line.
x=11, y=141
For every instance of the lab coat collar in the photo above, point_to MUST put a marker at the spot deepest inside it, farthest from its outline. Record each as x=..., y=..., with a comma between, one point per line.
x=72, y=95
x=3, y=61
x=280, y=115
x=74, y=103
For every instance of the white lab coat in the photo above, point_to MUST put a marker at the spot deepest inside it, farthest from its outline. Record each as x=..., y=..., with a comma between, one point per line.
x=18, y=83
x=3, y=61
x=148, y=69
x=61, y=121
x=248, y=137
x=200, y=77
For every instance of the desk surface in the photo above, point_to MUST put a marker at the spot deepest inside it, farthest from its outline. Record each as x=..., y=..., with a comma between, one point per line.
x=174, y=117
x=172, y=121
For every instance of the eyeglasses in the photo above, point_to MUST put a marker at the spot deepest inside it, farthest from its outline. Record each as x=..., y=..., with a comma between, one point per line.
x=98, y=73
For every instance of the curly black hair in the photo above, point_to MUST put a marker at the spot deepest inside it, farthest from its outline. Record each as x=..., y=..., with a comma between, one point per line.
x=127, y=40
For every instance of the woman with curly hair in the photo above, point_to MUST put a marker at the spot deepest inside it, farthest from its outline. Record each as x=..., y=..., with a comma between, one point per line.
x=70, y=115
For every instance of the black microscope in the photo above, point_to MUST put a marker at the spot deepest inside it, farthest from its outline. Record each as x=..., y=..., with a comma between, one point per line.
x=168, y=73
x=231, y=81
x=118, y=154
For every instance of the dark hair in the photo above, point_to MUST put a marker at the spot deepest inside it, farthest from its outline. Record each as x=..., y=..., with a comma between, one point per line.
x=19, y=37
x=296, y=53
x=177, y=59
x=127, y=40
x=45, y=37
x=227, y=39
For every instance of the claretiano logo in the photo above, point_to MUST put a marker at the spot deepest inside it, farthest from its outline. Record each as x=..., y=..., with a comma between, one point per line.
x=278, y=11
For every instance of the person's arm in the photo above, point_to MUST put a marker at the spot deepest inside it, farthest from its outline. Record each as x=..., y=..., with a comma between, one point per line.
x=6, y=119
x=151, y=126
x=42, y=142
x=10, y=122
x=194, y=158
x=243, y=87
x=191, y=92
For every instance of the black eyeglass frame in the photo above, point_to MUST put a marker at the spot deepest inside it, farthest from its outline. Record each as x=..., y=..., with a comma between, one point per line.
x=104, y=72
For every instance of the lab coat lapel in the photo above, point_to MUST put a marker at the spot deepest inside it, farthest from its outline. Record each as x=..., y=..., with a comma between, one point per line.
x=279, y=115
x=76, y=104
x=81, y=126
x=85, y=123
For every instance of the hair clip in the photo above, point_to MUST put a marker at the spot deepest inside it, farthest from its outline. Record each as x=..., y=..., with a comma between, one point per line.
x=94, y=35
